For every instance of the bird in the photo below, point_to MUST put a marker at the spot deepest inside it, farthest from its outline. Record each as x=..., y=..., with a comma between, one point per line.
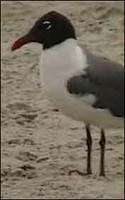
x=85, y=87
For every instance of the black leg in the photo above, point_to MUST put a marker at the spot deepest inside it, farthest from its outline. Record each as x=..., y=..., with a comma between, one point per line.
x=89, y=146
x=102, y=153
x=89, y=150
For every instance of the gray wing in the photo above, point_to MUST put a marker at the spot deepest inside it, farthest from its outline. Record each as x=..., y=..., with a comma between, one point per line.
x=105, y=80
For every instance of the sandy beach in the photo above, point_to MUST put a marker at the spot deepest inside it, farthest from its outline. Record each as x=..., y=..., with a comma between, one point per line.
x=39, y=144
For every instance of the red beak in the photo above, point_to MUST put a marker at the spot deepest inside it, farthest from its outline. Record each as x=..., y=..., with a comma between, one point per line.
x=20, y=42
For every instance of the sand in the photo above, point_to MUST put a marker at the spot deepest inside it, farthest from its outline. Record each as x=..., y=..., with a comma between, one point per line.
x=40, y=145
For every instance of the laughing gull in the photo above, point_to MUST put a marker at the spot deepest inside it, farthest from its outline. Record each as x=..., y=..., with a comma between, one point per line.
x=83, y=86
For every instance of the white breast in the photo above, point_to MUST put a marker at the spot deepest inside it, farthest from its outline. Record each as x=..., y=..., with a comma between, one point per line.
x=59, y=63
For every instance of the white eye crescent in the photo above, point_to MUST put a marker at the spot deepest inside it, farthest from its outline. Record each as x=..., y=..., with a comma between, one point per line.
x=47, y=25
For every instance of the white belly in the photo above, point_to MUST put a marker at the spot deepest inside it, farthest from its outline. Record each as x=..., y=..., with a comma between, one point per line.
x=78, y=109
x=57, y=67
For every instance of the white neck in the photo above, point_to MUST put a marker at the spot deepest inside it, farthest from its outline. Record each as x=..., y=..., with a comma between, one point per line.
x=62, y=61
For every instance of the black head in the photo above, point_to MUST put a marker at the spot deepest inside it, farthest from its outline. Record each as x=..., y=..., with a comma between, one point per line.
x=51, y=29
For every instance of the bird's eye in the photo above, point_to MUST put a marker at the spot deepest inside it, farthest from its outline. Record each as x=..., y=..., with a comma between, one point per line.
x=47, y=25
